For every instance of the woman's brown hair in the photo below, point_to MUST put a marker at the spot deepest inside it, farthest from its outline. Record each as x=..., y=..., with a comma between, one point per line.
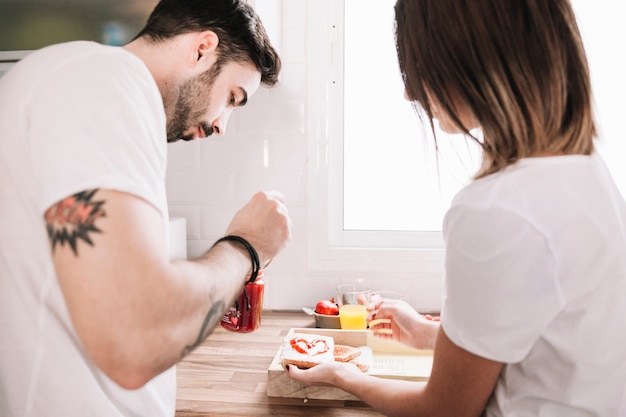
x=518, y=65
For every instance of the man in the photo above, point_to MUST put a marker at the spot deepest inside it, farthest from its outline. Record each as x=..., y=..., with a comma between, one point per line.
x=93, y=314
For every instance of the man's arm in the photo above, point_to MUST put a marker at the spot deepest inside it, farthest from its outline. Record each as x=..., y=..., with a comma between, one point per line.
x=136, y=312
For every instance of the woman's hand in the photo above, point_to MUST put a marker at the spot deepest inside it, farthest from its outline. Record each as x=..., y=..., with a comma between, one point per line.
x=460, y=383
x=398, y=321
x=326, y=374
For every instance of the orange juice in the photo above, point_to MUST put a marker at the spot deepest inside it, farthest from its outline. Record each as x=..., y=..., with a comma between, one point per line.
x=353, y=316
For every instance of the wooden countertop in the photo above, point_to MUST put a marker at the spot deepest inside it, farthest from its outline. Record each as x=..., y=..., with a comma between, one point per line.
x=227, y=375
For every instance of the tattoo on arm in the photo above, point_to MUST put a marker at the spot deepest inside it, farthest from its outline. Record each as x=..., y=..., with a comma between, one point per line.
x=72, y=219
x=210, y=321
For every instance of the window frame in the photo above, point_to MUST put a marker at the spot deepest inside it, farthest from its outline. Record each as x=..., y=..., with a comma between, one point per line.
x=395, y=253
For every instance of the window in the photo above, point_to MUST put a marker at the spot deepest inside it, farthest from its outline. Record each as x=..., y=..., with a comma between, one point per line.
x=377, y=229
x=393, y=180
x=601, y=25
x=379, y=192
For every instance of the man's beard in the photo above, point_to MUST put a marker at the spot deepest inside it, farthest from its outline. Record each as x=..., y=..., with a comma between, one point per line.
x=189, y=108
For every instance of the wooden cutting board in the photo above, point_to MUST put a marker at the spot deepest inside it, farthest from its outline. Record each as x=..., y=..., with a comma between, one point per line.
x=390, y=360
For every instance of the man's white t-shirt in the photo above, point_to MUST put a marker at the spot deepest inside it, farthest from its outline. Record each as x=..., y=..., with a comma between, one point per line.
x=536, y=279
x=73, y=117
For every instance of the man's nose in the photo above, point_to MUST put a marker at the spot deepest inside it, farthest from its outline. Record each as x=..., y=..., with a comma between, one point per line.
x=219, y=125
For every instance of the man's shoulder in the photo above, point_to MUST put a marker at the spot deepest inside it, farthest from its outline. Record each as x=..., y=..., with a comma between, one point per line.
x=80, y=53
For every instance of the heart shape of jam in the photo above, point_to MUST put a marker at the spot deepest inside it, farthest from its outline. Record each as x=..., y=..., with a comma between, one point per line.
x=311, y=348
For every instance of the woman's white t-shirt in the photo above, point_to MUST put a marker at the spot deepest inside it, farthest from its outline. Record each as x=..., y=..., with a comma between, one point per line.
x=536, y=279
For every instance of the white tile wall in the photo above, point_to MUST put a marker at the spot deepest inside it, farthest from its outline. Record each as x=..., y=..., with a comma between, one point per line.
x=265, y=147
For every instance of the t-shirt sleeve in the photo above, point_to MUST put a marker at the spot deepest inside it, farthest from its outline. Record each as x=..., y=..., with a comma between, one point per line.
x=98, y=122
x=501, y=287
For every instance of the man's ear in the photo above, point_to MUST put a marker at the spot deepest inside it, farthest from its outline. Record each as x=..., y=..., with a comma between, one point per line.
x=205, y=48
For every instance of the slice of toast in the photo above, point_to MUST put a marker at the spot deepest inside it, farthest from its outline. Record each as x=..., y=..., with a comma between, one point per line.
x=307, y=350
x=345, y=353
x=364, y=367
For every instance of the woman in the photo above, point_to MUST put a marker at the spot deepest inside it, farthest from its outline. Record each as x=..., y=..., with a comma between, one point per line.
x=533, y=313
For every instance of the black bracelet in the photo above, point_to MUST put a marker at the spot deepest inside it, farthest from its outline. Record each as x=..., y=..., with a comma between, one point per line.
x=254, y=256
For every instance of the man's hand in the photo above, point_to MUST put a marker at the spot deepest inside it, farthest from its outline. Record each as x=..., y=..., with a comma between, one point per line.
x=265, y=223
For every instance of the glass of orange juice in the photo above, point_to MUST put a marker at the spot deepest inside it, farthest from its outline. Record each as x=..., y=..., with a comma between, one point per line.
x=353, y=300
x=353, y=317
x=352, y=294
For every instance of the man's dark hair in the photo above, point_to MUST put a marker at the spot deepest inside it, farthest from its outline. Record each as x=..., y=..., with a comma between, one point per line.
x=239, y=28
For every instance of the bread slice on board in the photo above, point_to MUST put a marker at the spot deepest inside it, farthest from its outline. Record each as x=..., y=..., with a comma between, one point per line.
x=364, y=367
x=345, y=353
x=307, y=350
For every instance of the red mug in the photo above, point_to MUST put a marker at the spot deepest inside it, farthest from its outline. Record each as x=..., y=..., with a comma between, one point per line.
x=244, y=315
